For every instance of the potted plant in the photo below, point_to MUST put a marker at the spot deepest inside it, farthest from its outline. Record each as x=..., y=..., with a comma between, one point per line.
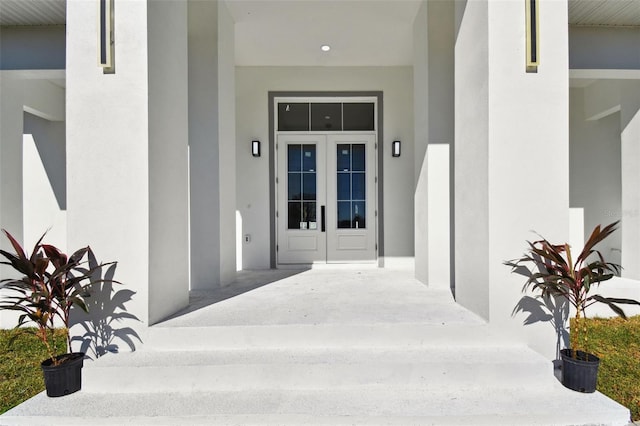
x=552, y=271
x=51, y=284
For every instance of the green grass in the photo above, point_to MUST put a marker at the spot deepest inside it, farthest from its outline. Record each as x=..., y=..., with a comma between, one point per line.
x=617, y=343
x=20, y=373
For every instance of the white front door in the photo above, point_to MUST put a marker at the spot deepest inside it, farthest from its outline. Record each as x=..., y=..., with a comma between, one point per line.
x=326, y=205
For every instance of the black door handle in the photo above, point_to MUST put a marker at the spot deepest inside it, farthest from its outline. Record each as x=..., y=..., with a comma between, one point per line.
x=322, y=226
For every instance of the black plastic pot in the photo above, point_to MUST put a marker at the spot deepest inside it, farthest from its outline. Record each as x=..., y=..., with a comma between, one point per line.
x=65, y=378
x=579, y=374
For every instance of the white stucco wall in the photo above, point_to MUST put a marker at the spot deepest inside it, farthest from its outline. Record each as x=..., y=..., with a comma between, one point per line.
x=44, y=99
x=32, y=47
x=252, y=122
x=44, y=182
x=512, y=148
x=433, y=41
x=604, y=48
x=203, y=149
x=211, y=144
x=421, y=138
x=32, y=197
x=227, y=143
x=471, y=156
x=595, y=179
x=168, y=123
x=126, y=151
x=11, y=114
x=529, y=123
x=630, y=153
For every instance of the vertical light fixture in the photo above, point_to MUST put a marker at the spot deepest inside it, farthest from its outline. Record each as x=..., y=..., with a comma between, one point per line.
x=105, y=35
x=533, y=35
x=395, y=149
x=255, y=148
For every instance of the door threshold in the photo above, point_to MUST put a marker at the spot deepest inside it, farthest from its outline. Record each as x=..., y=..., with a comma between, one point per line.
x=331, y=266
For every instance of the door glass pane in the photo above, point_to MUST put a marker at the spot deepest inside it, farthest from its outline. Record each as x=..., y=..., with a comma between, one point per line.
x=358, y=116
x=309, y=186
x=358, y=221
x=295, y=215
x=294, y=154
x=344, y=214
x=309, y=158
x=293, y=117
x=309, y=216
x=344, y=186
x=301, y=185
x=344, y=157
x=358, y=157
x=294, y=186
x=358, y=192
x=351, y=186
x=326, y=117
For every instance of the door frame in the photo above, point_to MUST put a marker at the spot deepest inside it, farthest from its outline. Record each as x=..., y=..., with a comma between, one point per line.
x=312, y=96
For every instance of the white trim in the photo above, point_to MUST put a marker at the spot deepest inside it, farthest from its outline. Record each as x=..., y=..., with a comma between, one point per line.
x=276, y=133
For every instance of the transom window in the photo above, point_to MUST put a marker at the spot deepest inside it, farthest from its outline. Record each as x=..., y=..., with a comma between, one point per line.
x=324, y=117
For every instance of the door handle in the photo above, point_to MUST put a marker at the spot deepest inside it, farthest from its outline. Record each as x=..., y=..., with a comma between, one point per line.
x=322, y=226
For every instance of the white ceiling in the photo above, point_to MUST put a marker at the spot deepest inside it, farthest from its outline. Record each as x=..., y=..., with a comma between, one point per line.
x=290, y=32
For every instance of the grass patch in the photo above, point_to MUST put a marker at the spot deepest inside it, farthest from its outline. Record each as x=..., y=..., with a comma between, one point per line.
x=20, y=373
x=617, y=343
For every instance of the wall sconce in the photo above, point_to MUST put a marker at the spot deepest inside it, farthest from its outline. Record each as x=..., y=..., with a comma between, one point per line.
x=395, y=149
x=255, y=148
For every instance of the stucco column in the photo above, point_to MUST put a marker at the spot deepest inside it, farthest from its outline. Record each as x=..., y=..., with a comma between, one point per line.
x=433, y=106
x=630, y=173
x=11, y=127
x=11, y=123
x=127, y=149
x=421, y=137
x=212, y=144
x=511, y=154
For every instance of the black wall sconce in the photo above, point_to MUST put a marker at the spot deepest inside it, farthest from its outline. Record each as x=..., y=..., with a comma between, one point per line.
x=395, y=149
x=255, y=148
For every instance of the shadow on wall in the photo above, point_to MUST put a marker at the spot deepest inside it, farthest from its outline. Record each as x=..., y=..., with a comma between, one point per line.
x=49, y=139
x=106, y=311
x=550, y=309
x=554, y=310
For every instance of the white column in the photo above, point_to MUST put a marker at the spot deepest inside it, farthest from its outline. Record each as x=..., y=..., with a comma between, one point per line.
x=11, y=123
x=227, y=142
x=471, y=152
x=167, y=153
x=421, y=137
x=630, y=153
x=126, y=149
x=211, y=144
x=511, y=152
x=433, y=105
x=11, y=127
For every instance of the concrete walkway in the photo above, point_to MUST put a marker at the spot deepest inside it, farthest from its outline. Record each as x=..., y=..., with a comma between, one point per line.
x=348, y=346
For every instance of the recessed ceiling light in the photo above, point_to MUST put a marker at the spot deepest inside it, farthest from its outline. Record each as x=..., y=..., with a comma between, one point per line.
x=325, y=48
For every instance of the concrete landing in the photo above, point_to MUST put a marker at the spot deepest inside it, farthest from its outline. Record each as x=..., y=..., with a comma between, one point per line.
x=323, y=347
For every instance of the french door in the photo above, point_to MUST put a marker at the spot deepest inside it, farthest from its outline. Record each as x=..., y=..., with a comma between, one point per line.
x=326, y=204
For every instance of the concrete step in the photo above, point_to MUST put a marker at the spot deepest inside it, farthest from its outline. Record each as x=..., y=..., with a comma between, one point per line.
x=235, y=370
x=494, y=406
x=396, y=335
